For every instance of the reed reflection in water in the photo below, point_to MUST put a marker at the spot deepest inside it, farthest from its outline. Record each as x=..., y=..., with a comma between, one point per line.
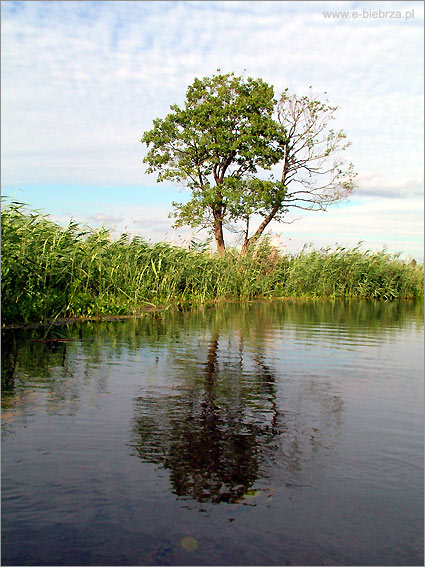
x=257, y=434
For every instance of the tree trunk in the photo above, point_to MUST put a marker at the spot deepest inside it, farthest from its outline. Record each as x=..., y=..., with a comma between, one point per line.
x=218, y=234
x=245, y=246
x=258, y=232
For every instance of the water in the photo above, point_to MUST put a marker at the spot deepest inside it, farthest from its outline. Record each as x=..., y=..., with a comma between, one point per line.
x=285, y=433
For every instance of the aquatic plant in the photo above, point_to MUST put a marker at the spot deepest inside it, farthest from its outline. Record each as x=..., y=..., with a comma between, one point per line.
x=51, y=271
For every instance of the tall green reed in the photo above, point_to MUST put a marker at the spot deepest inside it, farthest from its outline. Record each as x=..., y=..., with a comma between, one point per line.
x=51, y=271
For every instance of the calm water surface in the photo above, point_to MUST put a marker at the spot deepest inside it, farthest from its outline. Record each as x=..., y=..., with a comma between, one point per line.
x=285, y=433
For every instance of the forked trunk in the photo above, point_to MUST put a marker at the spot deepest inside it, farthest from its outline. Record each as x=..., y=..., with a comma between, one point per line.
x=259, y=231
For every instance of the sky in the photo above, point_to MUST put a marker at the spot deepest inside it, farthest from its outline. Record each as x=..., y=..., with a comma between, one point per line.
x=82, y=81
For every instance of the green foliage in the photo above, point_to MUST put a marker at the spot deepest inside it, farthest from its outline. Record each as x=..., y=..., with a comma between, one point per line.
x=49, y=271
x=227, y=136
x=224, y=131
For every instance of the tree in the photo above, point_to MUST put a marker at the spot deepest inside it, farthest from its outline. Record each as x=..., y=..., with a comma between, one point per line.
x=311, y=176
x=224, y=132
x=229, y=133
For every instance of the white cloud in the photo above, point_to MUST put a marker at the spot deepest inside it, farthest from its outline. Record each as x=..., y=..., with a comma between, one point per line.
x=107, y=219
x=391, y=222
x=81, y=81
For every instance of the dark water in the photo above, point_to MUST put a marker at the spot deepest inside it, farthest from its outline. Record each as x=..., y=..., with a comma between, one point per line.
x=265, y=434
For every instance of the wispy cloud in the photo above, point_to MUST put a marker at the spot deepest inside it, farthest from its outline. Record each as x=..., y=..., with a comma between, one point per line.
x=107, y=219
x=81, y=82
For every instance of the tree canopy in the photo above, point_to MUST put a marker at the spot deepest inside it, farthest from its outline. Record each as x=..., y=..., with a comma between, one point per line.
x=222, y=144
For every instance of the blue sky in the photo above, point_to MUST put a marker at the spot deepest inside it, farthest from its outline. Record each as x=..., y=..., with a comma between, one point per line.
x=82, y=81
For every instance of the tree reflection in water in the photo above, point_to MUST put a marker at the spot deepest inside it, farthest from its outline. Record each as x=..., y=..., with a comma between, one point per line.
x=203, y=437
x=234, y=415
x=221, y=430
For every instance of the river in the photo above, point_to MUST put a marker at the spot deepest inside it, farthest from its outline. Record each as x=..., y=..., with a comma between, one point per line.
x=266, y=433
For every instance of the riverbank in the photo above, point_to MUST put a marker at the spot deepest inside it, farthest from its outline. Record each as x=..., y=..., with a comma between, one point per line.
x=50, y=272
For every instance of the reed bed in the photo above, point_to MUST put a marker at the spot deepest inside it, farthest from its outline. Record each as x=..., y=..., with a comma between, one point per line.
x=49, y=271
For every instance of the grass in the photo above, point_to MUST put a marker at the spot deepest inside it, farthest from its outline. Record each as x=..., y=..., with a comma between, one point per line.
x=49, y=271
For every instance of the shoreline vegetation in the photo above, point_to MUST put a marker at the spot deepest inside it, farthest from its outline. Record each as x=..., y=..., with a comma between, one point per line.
x=53, y=273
